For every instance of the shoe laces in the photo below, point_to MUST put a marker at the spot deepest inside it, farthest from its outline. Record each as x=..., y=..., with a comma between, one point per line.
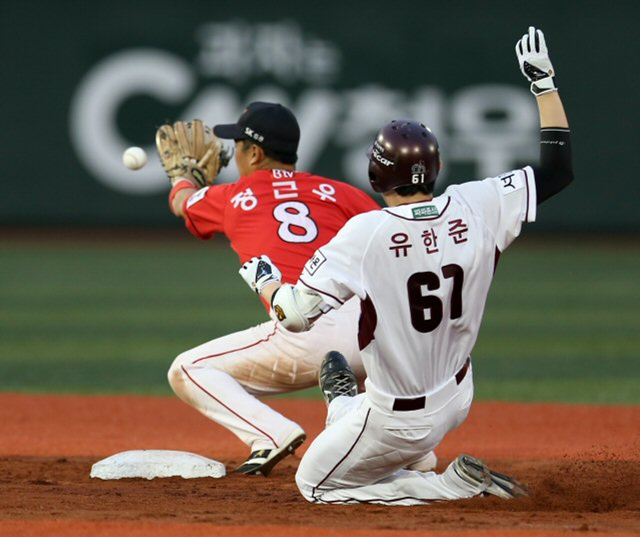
x=342, y=384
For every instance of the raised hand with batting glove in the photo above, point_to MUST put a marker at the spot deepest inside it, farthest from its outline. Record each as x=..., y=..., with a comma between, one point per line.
x=534, y=61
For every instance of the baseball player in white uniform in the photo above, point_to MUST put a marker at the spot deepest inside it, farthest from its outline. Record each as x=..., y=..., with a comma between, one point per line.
x=421, y=269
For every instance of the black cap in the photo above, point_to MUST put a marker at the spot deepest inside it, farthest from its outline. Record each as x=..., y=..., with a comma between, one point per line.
x=269, y=125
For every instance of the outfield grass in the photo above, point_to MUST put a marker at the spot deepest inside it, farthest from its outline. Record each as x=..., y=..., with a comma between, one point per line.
x=562, y=321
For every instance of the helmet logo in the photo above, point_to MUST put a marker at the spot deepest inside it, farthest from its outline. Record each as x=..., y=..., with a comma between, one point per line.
x=377, y=154
x=418, y=171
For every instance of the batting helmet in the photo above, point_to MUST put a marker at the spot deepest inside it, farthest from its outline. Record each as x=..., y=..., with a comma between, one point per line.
x=404, y=153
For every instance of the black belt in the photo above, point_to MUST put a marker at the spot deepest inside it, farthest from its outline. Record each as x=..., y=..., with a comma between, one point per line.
x=416, y=403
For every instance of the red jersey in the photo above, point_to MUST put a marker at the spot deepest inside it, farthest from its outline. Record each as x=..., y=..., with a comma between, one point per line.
x=286, y=215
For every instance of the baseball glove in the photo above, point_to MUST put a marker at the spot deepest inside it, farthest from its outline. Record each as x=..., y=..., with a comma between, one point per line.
x=191, y=150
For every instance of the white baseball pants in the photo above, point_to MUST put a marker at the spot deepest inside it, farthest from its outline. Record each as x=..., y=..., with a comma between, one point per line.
x=223, y=377
x=360, y=457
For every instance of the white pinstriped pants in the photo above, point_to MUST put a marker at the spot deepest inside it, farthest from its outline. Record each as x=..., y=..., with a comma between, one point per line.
x=360, y=457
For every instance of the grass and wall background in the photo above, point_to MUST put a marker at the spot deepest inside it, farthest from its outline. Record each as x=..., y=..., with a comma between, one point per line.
x=109, y=314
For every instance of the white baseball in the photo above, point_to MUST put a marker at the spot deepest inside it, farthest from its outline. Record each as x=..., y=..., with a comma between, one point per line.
x=134, y=158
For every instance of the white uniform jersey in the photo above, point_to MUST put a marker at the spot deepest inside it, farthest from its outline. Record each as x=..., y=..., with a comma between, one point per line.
x=422, y=272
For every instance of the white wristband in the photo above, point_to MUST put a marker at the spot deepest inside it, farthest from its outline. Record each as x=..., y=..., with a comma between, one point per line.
x=542, y=86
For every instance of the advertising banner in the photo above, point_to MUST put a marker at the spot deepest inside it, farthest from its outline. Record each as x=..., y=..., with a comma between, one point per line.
x=83, y=84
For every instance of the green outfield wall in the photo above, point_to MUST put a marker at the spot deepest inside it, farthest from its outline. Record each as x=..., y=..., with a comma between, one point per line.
x=84, y=80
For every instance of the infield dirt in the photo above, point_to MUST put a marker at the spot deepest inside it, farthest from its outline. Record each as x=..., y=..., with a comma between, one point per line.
x=582, y=464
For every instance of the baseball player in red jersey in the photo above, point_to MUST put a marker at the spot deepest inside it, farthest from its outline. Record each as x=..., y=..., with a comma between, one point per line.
x=421, y=268
x=289, y=214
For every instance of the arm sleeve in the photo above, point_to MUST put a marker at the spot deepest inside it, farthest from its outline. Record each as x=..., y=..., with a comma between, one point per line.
x=555, y=170
x=204, y=211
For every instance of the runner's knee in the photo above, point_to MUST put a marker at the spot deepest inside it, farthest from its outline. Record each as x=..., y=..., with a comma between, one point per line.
x=303, y=485
x=176, y=374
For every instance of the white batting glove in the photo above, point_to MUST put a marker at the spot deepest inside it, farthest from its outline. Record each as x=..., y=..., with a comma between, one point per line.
x=259, y=272
x=534, y=61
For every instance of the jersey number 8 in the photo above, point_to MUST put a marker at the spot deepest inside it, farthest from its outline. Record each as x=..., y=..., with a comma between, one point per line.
x=296, y=224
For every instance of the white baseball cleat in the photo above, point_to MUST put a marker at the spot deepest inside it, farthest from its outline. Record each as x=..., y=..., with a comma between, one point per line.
x=476, y=473
x=505, y=486
x=473, y=472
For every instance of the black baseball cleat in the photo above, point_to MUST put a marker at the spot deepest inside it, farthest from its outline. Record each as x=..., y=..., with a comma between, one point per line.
x=336, y=377
x=261, y=462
